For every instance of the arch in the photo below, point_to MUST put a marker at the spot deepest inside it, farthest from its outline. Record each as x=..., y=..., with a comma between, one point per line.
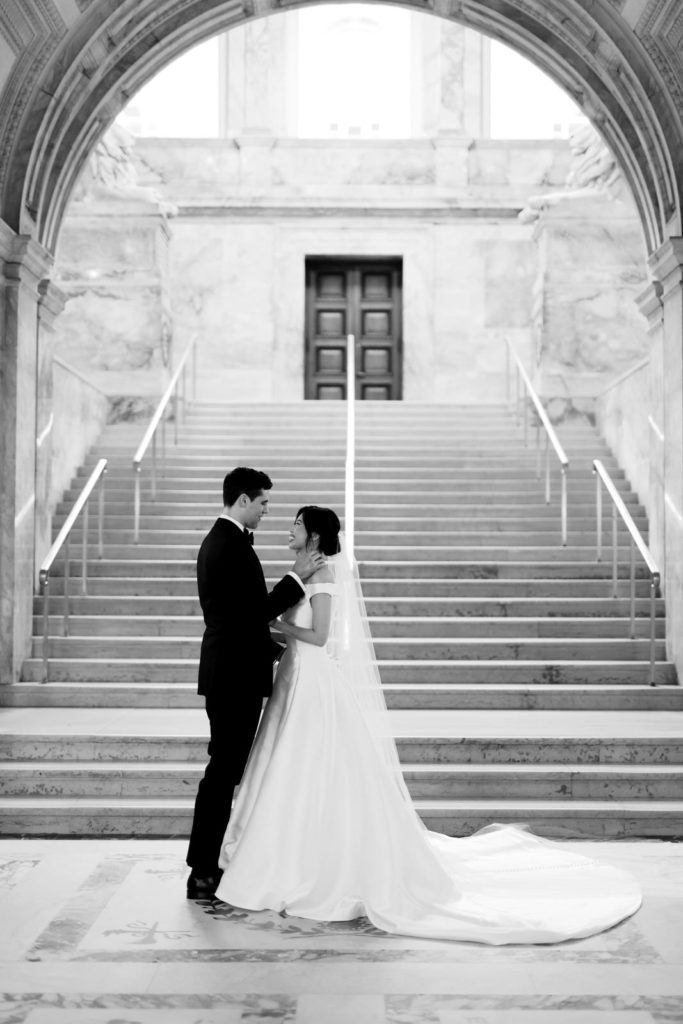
x=627, y=85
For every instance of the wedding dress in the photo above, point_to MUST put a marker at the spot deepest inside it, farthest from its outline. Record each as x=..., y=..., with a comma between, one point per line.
x=323, y=826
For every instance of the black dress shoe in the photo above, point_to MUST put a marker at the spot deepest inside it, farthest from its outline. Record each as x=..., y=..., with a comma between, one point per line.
x=199, y=888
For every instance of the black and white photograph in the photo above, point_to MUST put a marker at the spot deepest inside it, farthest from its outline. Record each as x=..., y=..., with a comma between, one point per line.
x=341, y=533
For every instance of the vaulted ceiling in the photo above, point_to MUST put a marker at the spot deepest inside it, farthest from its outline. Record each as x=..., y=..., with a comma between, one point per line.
x=68, y=66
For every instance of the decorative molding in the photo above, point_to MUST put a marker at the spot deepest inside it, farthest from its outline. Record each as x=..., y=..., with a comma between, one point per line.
x=21, y=22
x=660, y=29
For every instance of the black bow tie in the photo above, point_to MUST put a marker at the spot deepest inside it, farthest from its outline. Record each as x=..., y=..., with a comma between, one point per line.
x=249, y=537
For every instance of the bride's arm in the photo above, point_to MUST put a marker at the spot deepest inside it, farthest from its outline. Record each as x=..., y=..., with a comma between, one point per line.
x=321, y=605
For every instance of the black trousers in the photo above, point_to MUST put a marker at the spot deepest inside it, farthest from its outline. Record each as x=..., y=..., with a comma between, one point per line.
x=232, y=733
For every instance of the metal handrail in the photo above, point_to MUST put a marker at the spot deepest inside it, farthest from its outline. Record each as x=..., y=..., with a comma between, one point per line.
x=618, y=506
x=550, y=435
x=158, y=418
x=350, y=467
x=62, y=540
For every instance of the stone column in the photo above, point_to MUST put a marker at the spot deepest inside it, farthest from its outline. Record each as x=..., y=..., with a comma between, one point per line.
x=23, y=265
x=667, y=269
x=50, y=305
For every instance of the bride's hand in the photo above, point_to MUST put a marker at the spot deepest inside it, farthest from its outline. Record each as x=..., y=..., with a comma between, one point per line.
x=308, y=562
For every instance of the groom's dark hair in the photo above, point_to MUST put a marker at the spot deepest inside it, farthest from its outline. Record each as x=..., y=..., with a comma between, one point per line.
x=244, y=480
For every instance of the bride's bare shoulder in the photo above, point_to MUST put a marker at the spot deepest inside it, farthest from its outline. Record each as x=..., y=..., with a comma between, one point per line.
x=322, y=575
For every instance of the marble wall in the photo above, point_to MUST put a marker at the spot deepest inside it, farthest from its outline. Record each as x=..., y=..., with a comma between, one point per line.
x=250, y=210
x=112, y=266
x=80, y=414
x=623, y=417
x=587, y=325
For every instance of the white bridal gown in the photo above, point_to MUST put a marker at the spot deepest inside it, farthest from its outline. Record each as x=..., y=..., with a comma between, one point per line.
x=321, y=829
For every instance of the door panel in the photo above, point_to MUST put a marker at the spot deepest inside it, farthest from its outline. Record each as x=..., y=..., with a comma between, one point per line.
x=359, y=297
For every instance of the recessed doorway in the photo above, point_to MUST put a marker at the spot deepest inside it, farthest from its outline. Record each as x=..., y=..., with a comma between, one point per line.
x=361, y=297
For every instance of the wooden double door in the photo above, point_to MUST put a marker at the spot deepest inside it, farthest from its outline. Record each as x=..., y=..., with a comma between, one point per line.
x=361, y=297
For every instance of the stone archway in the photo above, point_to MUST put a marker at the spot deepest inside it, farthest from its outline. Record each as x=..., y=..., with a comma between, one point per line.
x=76, y=66
x=625, y=73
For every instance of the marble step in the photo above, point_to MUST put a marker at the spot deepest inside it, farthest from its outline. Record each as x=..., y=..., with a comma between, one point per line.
x=470, y=551
x=419, y=648
x=541, y=566
x=488, y=745
x=413, y=671
x=453, y=491
x=470, y=627
x=485, y=522
x=183, y=542
x=551, y=607
x=171, y=817
x=115, y=780
x=369, y=471
x=529, y=503
x=399, y=696
x=472, y=588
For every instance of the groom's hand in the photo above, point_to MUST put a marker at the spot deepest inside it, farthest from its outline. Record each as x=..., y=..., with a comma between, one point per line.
x=308, y=562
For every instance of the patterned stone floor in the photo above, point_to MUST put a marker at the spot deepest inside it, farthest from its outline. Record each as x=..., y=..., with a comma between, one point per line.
x=99, y=932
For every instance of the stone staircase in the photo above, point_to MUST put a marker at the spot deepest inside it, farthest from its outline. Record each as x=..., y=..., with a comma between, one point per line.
x=516, y=691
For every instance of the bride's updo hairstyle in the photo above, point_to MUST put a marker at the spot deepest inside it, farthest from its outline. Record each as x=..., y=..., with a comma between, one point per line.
x=325, y=523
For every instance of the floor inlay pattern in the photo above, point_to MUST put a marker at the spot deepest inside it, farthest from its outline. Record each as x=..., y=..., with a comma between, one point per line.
x=100, y=932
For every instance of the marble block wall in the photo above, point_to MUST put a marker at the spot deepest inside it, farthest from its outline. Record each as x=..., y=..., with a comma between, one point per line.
x=112, y=265
x=251, y=210
x=241, y=287
x=622, y=412
x=590, y=271
x=80, y=415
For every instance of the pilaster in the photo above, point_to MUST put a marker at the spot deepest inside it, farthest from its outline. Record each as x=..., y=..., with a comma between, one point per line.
x=666, y=266
x=23, y=264
x=51, y=302
x=649, y=302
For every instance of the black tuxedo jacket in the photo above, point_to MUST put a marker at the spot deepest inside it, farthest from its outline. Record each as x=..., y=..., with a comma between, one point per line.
x=237, y=649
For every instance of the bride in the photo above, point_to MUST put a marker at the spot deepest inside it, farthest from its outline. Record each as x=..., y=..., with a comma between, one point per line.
x=323, y=825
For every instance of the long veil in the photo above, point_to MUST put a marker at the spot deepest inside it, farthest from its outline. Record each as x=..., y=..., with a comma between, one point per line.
x=350, y=645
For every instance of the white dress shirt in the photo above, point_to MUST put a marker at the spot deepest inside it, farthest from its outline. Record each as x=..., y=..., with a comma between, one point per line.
x=224, y=515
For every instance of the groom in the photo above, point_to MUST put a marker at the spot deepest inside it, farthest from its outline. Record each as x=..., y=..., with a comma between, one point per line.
x=236, y=660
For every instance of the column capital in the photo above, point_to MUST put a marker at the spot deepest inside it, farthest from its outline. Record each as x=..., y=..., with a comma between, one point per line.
x=25, y=259
x=649, y=302
x=51, y=301
x=666, y=264
x=7, y=237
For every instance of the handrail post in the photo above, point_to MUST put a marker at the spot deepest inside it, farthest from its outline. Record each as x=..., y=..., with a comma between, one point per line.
x=632, y=589
x=615, y=554
x=100, y=517
x=154, y=467
x=67, y=573
x=598, y=514
x=136, y=504
x=538, y=449
x=654, y=582
x=84, y=552
x=636, y=541
x=350, y=483
x=563, y=512
x=547, y=470
x=62, y=541
x=46, y=619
